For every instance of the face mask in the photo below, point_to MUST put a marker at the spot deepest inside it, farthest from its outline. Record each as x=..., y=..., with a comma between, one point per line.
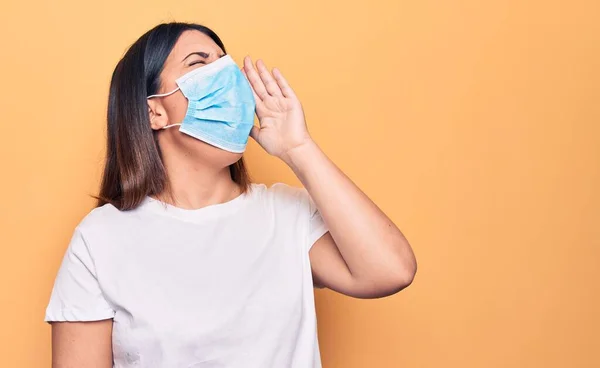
x=220, y=105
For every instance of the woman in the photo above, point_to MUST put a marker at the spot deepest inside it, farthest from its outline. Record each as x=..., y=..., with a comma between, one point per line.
x=185, y=262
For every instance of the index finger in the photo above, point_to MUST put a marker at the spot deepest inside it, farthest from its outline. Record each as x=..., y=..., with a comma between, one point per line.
x=254, y=79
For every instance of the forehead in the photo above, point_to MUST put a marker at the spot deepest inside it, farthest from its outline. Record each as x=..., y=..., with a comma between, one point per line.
x=191, y=41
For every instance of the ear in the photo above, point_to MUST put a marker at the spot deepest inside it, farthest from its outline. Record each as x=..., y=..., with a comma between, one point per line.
x=157, y=115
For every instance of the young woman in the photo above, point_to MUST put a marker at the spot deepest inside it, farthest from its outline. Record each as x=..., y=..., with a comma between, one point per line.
x=185, y=262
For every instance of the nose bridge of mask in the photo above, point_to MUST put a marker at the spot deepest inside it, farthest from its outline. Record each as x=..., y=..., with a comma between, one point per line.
x=206, y=81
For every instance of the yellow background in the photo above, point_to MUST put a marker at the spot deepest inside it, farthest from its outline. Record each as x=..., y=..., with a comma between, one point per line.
x=473, y=124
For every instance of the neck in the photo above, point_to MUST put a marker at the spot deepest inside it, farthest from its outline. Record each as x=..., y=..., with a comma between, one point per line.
x=194, y=184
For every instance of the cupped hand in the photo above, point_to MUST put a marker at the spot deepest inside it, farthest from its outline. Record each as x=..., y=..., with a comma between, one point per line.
x=280, y=114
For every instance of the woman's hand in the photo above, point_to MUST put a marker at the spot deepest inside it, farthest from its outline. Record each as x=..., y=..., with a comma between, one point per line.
x=280, y=114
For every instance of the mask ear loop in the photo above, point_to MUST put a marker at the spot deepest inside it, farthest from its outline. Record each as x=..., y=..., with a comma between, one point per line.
x=169, y=126
x=163, y=95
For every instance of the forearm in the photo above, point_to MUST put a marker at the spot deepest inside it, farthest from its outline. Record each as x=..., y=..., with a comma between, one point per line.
x=371, y=244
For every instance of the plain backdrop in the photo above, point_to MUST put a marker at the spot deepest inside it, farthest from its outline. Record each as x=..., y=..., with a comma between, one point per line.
x=473, y=124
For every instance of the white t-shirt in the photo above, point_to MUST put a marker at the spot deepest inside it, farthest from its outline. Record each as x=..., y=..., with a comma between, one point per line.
x=227, y=285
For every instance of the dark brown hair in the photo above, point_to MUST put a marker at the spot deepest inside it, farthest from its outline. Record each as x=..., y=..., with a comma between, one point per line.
x=134, y=168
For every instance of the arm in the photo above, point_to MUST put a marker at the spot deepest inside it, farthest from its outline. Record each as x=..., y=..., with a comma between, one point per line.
x=82, y=344
x=364, y=254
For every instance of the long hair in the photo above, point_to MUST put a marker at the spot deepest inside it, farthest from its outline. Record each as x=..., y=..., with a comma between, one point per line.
x=134, y=167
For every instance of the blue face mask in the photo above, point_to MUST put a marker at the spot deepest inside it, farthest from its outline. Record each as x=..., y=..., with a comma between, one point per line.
x=220, y=105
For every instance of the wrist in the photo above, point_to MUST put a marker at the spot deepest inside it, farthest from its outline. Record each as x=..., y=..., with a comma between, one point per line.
x=298, y=155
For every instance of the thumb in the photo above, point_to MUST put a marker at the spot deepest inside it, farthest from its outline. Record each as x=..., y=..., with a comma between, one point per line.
x=255, y=132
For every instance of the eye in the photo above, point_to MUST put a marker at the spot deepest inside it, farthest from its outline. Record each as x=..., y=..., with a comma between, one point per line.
x=198, y=62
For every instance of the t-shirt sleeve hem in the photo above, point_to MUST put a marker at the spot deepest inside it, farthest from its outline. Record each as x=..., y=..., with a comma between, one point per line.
x=70, y=315
x=316, y=234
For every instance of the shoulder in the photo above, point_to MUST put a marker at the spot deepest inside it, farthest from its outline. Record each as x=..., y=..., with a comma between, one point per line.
x=280, y=192
x=105, y=230
x=99, y=217
x=107, y=220
x=283, y=195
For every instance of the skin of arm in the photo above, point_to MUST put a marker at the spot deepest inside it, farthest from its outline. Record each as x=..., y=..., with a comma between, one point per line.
x=364, y=254
x=82, y=344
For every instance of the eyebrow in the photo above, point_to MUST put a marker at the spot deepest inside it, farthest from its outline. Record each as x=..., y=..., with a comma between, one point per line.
x=199, y=53
x=202, y=54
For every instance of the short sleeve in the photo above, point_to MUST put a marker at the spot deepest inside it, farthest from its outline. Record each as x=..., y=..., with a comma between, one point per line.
x=316, y=227
x=76, y=295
